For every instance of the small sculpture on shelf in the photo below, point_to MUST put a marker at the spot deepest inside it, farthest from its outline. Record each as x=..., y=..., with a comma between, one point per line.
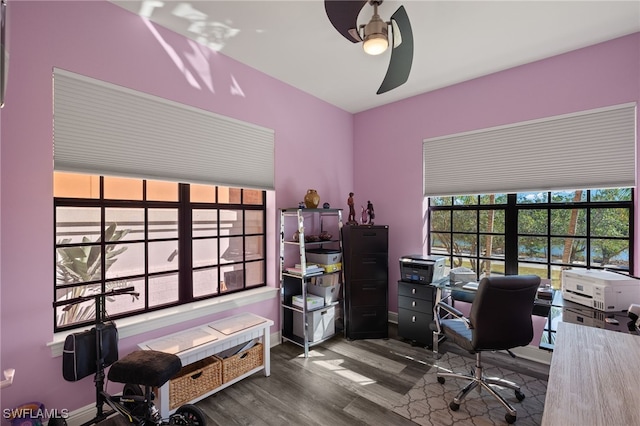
x=351, y=220
x=368, y=214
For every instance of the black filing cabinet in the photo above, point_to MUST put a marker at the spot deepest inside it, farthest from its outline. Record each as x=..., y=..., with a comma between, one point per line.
x=415, y=312
x=365, y=261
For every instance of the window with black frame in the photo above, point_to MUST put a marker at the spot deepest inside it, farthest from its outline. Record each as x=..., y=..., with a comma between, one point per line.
x=538, y=233
x=174, y=243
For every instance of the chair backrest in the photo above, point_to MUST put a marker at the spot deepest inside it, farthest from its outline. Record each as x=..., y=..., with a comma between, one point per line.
x=501, y=312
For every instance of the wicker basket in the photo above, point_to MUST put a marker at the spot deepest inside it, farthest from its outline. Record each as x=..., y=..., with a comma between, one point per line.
x=194, y=380
x=240, y=363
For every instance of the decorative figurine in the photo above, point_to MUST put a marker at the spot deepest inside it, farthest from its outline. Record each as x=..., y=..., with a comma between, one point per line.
x=326, y=206
x=367, y=215
x=352, y=211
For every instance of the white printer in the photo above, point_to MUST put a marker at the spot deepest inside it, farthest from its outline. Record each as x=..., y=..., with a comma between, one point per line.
x=603, y=290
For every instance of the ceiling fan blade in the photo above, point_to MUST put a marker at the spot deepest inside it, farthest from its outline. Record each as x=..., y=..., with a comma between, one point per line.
x=344, y=17
x=401, y=53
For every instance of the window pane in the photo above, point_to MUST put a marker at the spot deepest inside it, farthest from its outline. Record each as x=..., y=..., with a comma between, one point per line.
x=492, y=267
x=202, y=193
x=532, y=222
x=205, y=282
x=163, y=289
x=162, y=191
x=72, y=314
x=569, y=222
x=610, y=222
x=75, y=224
x=465, y=200
x=440, y=201
x=569, y=250
x=464, y=221
x=116, y=188
x=532, y=269
x=229, y=195
x=126, y=303
x=492, y=246
x=255, y=273
x=492, y=221
x=205, y=252
x=493, y=199
x=610, y=253
x=576, y=196
x=440, y=220
x=78, y=264
x=163, y=223
x=252, y=197
x=532, y=197
x=73, y=185
x=232, y=279
x=440, y=243
x=254, y=222
x=129, y=223
x=205, y=223
x=614, y=194
x=163, y=256
x=231, y=222
x=232, y=249
x=254, y=248
x=532, y=248
x=124, y=260
x=465, y=244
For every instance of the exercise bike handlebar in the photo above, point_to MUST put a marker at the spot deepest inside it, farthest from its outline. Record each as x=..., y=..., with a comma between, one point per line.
x=112, y=292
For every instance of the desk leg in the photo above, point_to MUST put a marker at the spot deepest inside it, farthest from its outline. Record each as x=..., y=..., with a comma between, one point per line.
x=266, y=347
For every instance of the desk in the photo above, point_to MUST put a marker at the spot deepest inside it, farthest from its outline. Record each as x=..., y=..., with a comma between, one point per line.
x=593, y=379
x=565, y=311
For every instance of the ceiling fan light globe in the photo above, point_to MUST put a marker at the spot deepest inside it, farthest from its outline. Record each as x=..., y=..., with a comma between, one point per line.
x=375, y=44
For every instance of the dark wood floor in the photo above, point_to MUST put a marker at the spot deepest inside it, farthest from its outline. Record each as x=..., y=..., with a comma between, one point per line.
x=342, y=382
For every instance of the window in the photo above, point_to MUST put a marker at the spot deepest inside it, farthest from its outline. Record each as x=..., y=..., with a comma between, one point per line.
x=175, y=243
x=538, y=233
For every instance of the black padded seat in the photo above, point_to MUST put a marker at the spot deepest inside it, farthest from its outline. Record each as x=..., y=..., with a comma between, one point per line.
x=145, y=368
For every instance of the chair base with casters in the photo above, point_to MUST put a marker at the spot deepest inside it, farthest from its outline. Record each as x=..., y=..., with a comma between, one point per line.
x=500, y=319
x=478, y=379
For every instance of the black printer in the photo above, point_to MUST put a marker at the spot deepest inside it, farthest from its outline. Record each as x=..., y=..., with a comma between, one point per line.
x=416, y=268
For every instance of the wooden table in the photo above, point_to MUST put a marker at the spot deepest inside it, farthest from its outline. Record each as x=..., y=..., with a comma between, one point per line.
x=594, y=378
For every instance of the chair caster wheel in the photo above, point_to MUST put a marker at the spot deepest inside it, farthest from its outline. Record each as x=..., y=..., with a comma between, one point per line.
x=441, y=380
x=455, y=407
x=509, y=418
x=519, y=395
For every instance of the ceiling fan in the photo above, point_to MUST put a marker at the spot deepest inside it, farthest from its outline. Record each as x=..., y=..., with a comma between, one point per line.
x=375, y=36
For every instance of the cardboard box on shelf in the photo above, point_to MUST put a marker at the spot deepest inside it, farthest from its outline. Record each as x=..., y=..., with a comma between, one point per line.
x=329, y=293
x=313, y=302
x=320, y=324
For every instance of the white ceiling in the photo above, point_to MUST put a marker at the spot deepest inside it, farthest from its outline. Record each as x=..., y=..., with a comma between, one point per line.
x=454, y=41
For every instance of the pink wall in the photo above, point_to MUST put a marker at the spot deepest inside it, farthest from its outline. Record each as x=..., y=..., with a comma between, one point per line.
x=103, y=41
x=388, y=139
x=315, y=145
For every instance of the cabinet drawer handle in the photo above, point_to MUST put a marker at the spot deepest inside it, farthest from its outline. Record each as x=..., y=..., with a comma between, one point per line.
x=413, y=303
x=413, y=318
x=413, y=291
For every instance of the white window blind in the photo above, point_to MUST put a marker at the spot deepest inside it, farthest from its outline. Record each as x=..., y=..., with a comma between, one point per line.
x=590, y=149
x=101, y=128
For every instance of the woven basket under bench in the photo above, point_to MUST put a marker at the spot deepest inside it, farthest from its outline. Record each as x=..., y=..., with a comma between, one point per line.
x=194, y=380
x=242, y=362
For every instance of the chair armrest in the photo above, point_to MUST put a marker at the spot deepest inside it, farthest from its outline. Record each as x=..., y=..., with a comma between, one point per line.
x=454, y=312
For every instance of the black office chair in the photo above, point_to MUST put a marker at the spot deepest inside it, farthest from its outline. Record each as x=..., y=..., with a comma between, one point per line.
x=500, y=319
